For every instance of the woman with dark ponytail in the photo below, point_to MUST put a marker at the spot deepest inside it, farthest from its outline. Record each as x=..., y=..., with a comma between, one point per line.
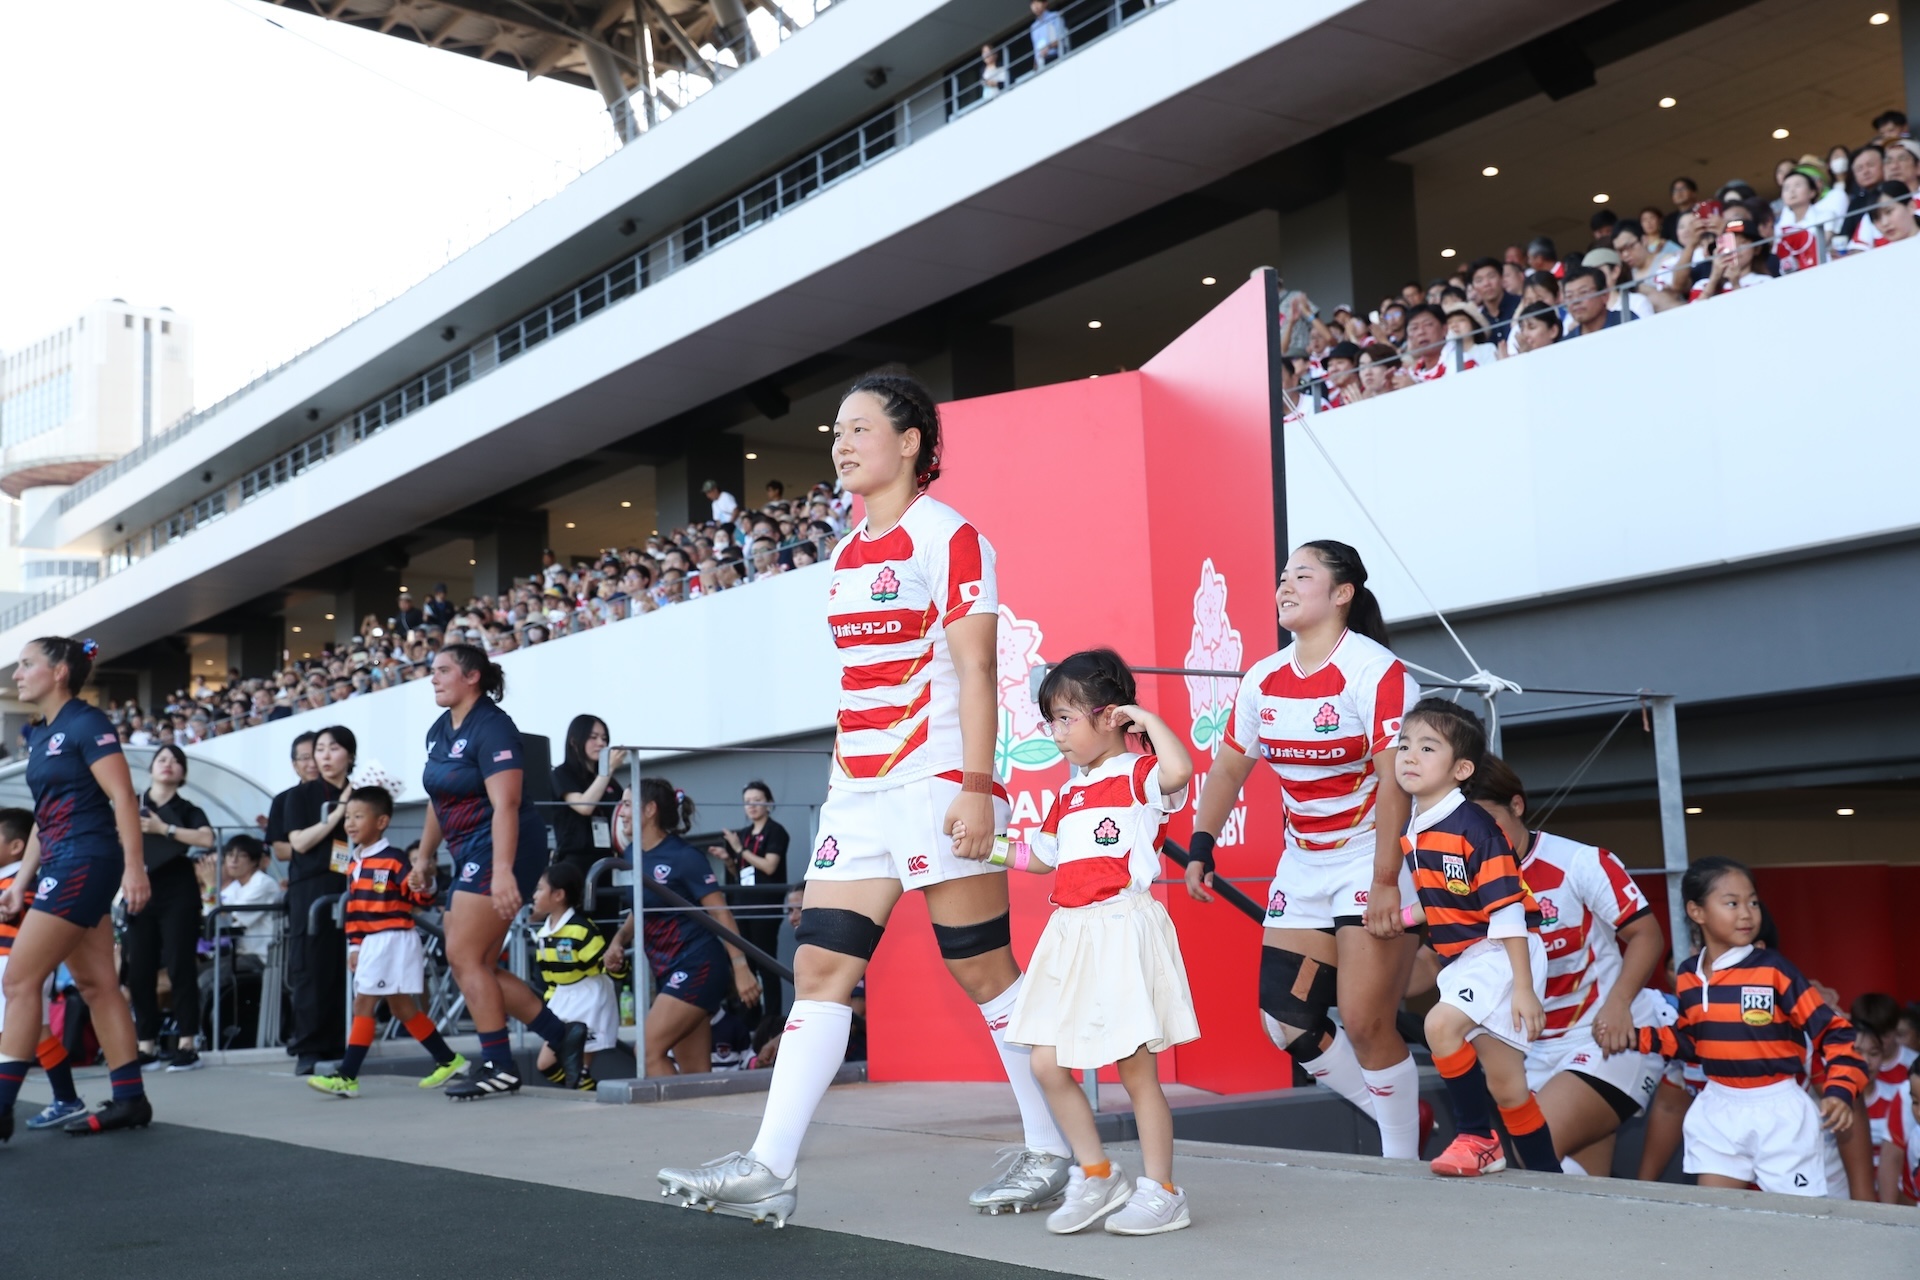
x=912, y=802
x=1325, y=713
x=87, y=844
x=693, y=970
x=474, y=777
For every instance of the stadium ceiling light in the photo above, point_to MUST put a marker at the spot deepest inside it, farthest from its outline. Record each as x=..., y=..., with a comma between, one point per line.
x=329, y=617
x=296, y=631
x=1601, y=198
x=1878, y=20
x=569, y=524
x=1491, y=171
x=1208, y=280
x=626, y=504
x=823, y=427
x=308, y=654
x=473, y=562
x=1669, y=102
x=1446, y=253
x=1845, y=813
x=1093, y=324
x=1779, y=134
x=1694, y=808
x=752, y=457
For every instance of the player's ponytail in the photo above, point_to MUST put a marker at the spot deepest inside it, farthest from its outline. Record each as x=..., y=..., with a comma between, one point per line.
x=75, y=655
x=672, y=809
x=908, y=406
x=472, y=659
x=1344, y=563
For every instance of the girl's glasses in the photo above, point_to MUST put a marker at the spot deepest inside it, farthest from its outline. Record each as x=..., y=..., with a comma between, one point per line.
x=1059, y=725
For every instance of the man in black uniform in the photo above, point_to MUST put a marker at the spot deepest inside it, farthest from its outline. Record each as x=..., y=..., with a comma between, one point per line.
x=312, y=983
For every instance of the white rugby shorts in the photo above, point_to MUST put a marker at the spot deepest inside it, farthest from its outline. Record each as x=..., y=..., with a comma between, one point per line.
x=392, y=963
x=1769, y=1136
x=1635, y=1074
x=1313, y=890
x=1479, y=983
x=895, y=834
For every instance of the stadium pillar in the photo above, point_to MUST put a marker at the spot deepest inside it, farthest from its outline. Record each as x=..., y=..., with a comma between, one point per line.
x=1356, y=245
x=613, y=89
x=511, y=549
x=372, y=587
x=164, y=668
x=717, y=457
x=982, y=359
x=261, y=642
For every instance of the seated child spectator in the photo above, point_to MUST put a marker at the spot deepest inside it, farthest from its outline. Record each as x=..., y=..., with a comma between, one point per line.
x=1483, y=922
x=571, y=957
x=383, y=948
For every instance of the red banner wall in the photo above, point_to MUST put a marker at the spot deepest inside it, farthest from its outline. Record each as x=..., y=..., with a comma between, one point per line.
x=1133, y=511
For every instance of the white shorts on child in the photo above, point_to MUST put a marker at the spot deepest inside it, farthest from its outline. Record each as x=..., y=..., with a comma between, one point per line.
x=895, y=835
x=1105, y=979
x=594, y=1001
x=46, y=995
x=392, y=963
x=1479, y=983
x=1769, y=1136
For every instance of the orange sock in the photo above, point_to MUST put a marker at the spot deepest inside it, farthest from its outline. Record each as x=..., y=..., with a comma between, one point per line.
x=420, y=1026
x=1523, y=1119
x=50, y=1053
x=1456, y=1064
x=1102, y=1170
x=1170, y=1187
x=361, y=1032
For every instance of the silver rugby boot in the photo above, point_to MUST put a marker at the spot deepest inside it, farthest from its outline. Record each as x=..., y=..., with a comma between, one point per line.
x=1032, y=1180
x=737, y=1185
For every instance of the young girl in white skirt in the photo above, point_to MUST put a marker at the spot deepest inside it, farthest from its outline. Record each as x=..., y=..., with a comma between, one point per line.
x=1106, y=984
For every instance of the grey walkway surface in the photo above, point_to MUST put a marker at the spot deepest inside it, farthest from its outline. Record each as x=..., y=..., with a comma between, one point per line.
x=258, y=1165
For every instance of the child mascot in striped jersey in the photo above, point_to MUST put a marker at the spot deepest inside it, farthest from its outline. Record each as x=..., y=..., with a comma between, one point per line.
x=1748, y=1017
x=16, y=828
x=1485, y=925
x=571, y=955
x=1106, y=984
x=383, y=948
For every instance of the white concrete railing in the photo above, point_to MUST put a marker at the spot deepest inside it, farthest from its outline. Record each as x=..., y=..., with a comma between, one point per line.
x=1733, y=428
x=728, y=668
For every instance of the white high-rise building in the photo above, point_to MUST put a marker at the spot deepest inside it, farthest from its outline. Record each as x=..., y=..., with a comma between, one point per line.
x=116, y=378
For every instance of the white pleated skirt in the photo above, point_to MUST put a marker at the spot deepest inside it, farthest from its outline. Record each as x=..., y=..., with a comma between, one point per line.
x=1104, y=980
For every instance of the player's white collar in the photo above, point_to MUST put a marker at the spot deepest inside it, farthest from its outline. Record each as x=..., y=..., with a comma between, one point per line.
x=1425, y=818
x=371, y=849
x=554, y=925
x=10, y=869
x=1726, y=961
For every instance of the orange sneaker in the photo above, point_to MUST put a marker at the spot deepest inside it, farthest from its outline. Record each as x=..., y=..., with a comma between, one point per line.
x=1468, y=1156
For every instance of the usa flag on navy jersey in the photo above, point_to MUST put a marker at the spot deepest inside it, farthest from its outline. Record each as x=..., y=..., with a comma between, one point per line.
x=1320, y=731
x=892, y=599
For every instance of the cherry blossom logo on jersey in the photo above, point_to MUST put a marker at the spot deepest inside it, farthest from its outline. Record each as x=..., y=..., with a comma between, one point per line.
x=827, y=854
x=1023, y=740
x=1276, y=905
x=1107, y=833
x=1326, y=719
x=886, y=586
x=1549, y=914
x=1215, y=646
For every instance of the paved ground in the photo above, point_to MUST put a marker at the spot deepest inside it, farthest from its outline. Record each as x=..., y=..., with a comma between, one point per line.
x=250, y=1174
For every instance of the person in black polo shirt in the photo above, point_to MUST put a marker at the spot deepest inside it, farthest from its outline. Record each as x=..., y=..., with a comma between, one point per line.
x=174, y=831
x=583, y=826
x=316, y=954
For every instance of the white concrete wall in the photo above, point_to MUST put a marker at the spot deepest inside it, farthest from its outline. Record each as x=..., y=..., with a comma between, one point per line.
x=751, y=664
x=1724, y=431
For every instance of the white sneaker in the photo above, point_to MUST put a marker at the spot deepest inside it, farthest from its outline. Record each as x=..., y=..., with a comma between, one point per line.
x=1088, y=1200
x=1151, y=1210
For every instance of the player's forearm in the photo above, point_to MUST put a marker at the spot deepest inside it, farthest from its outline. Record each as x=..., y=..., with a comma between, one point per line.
x=1392, y=808
x=1224, y=780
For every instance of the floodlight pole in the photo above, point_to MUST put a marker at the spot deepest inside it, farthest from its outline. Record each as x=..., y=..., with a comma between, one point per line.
x=1673, y=814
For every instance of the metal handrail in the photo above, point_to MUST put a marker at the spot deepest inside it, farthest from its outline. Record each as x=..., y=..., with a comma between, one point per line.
x=906, y=121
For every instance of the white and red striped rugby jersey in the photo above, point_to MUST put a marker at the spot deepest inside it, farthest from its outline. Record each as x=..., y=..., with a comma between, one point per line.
x=1103, y=834
x=1585, y=895
x=892, y=599
x=1320, y=732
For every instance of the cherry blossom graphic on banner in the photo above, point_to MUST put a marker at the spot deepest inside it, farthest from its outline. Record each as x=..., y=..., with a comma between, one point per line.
x=1215, y=647
x=1023, y=741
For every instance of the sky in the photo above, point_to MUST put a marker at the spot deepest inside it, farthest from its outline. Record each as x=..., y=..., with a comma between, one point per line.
x=268, y=182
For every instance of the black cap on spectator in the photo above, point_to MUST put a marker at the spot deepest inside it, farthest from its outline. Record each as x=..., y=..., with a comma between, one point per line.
x=1347, y=351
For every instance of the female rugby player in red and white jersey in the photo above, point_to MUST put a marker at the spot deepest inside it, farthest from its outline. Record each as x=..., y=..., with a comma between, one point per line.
x=914, y=611
x=1602, y=944
x=1325, y=713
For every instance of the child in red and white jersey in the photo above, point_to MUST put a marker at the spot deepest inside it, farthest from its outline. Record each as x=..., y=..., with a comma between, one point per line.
x=1324, y=713
x=1747, y=1016
x=1899, y=1173
x=1482, y=920
x=1602, y=944
x=1880, y=1013
x=1106, y=984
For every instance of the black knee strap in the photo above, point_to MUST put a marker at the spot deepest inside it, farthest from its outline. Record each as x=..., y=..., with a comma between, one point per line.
x=1297, y=990
x=837, y=929
x=960, y=941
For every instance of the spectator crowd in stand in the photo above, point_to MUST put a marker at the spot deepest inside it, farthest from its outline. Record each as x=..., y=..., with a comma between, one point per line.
x=1698, y=246
x=735, y=546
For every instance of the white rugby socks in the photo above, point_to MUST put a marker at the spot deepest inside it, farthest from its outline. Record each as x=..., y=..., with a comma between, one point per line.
x=1336, y=1068
x=812, y=1048
x=1396, y=1108
x=1042, y=1134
